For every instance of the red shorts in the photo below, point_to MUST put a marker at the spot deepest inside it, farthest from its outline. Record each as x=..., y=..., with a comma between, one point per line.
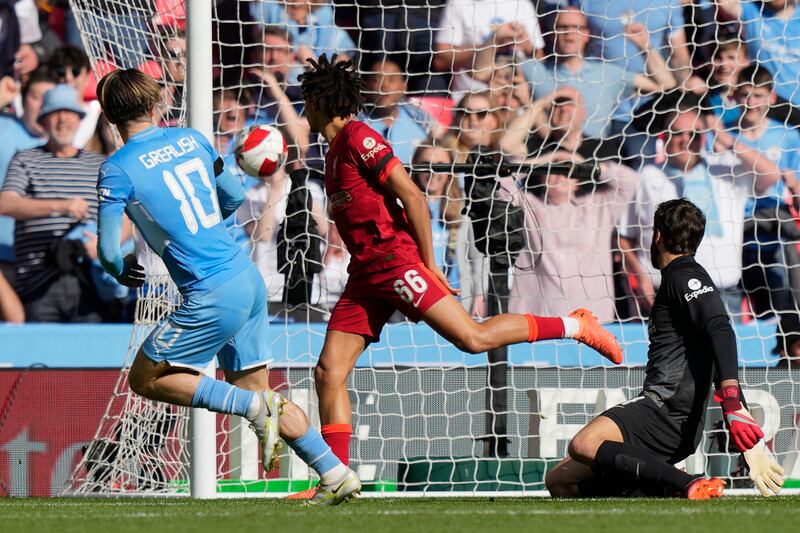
x=370, y=299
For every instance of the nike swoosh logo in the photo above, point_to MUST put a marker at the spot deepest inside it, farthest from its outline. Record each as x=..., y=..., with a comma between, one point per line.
x=416, y=304
x=740, y=418
x=344, y=484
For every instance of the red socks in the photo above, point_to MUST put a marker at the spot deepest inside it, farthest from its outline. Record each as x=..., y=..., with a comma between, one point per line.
x=544, y=327
x=337, y=436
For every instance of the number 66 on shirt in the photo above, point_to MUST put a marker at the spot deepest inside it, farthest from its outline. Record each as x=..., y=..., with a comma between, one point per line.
x=411, y=281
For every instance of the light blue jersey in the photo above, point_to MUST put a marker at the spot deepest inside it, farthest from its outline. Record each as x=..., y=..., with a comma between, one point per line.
x=780, y=145
x=774, y=42
x=175, y=189
x=165, y=180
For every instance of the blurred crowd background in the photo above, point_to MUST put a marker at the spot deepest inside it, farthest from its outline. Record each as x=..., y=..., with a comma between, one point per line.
x=664, y=98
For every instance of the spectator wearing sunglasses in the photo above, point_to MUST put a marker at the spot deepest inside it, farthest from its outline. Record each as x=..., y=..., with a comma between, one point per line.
x=474, y=124
x=70, y=65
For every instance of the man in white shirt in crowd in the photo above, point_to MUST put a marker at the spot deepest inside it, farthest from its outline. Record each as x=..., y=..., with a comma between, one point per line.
x=472, y=31
x=719, y=182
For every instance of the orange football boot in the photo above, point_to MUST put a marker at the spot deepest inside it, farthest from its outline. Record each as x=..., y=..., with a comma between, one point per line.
x=705, y=488
x=303, y=494
x=592, y=334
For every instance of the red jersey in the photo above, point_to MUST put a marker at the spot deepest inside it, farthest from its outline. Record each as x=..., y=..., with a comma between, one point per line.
x=370, y=219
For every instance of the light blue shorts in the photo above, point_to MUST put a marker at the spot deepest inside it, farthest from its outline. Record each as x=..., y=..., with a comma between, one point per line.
x=230, y=322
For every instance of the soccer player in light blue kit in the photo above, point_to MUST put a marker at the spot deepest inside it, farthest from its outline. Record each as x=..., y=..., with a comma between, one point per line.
x=175, y=189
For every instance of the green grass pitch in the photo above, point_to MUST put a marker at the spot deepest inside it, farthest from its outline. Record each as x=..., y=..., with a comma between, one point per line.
x=500, y=515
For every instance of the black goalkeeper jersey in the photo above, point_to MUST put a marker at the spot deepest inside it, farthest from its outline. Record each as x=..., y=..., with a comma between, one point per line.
x=692, y=343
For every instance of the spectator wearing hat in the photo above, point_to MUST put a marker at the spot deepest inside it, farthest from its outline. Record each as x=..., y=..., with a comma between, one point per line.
x=70, y=65
x=20, y=134
x=48, y=190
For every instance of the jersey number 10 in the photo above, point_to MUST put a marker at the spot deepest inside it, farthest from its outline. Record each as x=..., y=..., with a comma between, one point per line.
x=194, y=211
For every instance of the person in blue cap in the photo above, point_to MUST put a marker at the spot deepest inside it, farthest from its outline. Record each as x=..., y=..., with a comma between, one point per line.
x=48, y=190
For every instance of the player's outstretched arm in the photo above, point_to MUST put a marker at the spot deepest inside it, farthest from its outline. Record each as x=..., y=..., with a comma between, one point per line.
x=416, y=206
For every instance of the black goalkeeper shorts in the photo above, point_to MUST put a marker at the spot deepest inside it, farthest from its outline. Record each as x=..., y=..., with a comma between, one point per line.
x=643, y=425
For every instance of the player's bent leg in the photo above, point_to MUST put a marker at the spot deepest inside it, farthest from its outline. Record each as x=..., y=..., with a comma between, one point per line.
x=565, y=480
x=448, y=317
x=450, y=320
x=161, y=382
x=601, y=446
x=279, y=416
x=584, y=445
x=254, y=379
x=267, y=415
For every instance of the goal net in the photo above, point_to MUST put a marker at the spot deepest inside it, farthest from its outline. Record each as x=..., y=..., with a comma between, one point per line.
x=587, y=97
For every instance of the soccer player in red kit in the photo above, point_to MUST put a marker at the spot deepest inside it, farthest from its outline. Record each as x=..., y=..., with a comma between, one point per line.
x=392, y=263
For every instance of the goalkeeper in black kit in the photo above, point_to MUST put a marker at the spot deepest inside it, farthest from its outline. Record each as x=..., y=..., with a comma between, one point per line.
x=631, y=449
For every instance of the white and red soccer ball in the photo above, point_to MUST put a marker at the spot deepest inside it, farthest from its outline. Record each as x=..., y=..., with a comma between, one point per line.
x=260, y=150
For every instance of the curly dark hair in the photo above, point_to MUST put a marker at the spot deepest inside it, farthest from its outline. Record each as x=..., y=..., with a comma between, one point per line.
x=333, y=86
x=681, y=224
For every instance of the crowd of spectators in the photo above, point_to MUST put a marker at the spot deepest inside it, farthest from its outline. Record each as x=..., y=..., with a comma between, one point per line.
x=664, y=98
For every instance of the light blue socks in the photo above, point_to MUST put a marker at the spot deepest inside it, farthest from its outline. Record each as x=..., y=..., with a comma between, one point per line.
x=318, y=455
x=222, y=397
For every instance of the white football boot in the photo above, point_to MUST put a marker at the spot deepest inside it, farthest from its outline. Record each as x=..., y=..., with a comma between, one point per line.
x=340, y=491
x=266, y=425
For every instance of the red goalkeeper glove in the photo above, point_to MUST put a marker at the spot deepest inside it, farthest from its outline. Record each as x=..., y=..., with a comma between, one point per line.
x=744, y=431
